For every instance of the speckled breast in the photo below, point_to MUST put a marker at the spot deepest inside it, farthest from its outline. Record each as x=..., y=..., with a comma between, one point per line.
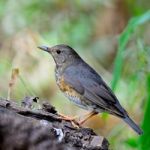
x=69, y=92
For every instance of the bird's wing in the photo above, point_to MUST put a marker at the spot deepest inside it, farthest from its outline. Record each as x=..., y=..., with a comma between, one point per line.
x=103, y=98
x=88, y=83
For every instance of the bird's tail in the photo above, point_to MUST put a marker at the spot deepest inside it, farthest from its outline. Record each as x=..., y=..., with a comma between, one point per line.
x=133, y=125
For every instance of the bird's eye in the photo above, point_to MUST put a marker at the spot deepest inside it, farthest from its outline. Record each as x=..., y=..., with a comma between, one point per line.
x=58, y=51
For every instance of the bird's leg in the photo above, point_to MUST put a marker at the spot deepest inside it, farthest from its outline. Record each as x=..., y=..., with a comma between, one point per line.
x=88, y=116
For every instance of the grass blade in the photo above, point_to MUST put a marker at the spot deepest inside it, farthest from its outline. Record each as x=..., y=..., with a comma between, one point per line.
x=123, y=40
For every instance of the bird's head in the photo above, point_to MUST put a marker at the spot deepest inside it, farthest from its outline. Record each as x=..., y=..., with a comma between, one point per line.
x=61, y=53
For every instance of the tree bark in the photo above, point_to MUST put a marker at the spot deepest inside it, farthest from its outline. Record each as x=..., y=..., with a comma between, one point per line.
x=25, y=128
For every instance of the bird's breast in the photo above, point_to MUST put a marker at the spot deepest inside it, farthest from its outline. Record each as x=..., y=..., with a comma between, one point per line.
x=69, y=92
x=66, y=88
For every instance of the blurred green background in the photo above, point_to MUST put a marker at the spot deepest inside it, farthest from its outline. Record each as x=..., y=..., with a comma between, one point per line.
x=113, y=36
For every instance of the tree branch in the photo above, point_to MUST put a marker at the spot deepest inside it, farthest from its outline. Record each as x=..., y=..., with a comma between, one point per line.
x=24, y=128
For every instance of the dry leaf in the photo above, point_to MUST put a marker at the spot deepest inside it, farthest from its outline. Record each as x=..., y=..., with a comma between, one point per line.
x=12, y=82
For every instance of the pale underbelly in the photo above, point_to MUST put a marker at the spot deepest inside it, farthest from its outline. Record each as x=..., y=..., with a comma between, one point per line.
x=80, y=103
x=75, y=100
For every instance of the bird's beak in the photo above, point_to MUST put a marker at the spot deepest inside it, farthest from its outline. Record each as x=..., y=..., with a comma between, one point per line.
x=44, y=48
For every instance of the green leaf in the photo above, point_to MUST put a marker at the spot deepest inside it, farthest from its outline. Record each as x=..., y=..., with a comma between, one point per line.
x=132, y=142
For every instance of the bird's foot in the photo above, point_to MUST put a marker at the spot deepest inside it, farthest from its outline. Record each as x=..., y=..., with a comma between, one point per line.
x=74, y=122
x=71, y=119
x=68, y=118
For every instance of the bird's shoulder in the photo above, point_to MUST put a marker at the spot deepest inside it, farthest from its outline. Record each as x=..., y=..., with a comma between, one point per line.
x=82, y=71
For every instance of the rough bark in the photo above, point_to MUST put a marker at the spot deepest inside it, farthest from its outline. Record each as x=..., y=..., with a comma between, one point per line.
x=25, y=128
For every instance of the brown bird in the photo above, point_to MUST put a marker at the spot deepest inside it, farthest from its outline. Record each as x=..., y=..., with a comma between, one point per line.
x=84, y=86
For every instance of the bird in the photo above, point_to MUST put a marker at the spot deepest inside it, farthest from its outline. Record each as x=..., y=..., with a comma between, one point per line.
x=82, y=85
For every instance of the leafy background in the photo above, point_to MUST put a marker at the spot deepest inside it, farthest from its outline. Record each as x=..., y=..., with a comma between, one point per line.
x=111, y=35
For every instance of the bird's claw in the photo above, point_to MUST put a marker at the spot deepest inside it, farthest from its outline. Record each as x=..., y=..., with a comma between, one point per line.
x=71, y=119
